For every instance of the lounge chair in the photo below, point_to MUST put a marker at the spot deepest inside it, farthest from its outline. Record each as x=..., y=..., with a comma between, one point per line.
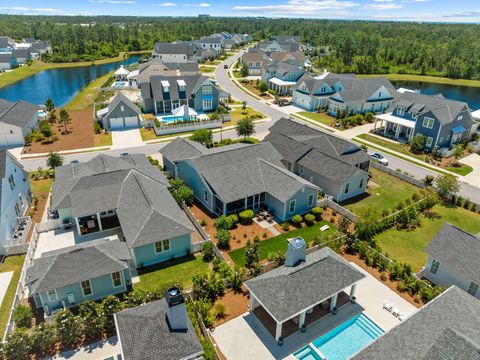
x=395, y=311
x=404, y=315
x=388, y=305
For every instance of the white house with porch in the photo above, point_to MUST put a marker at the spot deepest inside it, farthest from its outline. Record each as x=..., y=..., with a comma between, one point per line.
x=306, y=289
x=401, y=129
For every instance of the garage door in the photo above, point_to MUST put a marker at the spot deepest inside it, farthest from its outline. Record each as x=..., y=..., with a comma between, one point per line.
x=131, y=121
x=116, y=123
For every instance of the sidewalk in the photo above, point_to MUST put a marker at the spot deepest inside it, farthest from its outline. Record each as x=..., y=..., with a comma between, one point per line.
x=65, y=152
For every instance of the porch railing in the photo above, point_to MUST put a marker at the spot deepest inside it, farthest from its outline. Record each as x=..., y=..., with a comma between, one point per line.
x=19, y=245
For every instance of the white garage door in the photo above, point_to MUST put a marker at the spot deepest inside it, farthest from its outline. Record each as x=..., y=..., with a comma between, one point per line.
x=131, y=121
x=11, y=139
x=116, y=123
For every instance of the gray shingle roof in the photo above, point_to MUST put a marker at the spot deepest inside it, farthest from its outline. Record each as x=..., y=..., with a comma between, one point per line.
x=120, y=99
x=144, y=334
x=77, y=263
x=287, y=291
x=179, y=49
x=446, y=328
x=361, y=89
x=19, y=113
x=181, y=148
x=458, y=250
x=155, y=91
x=445, y=110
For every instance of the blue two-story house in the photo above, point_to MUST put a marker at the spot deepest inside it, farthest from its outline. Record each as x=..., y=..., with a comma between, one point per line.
x=444, y=122
x=236, y=177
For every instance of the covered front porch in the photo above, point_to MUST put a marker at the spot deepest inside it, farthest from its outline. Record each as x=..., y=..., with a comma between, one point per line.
x=394, y=127
x=281, y=330
x=281, y=87
x=96, y=222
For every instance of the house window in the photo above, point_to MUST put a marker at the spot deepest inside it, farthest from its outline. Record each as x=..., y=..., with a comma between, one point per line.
x=291, y=208
x=207, y=104
x=52, y=295
x=323, y=89
x=379, y=94
x=429, y=142
x=473, y=289
x=300, y=169
x=401, y=110
x=116, y=279
x=162, y=246
x=86, y=288
x=434, y=267
x=428, y=123
x=11, y=181
x=181, y=87
x=460, y=117
x=206, y=89
x=310, y=199
x=362, y=180
x=122, y=108
x=414, y=114
x=347, y=187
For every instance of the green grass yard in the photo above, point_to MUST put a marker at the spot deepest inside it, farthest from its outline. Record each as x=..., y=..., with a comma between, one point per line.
x=207, y=69
x=269, y=247
x=237, y=114
x=408, y=246
x=385, y=193
x=102, y=139
x=319, y=117
x=180, y=271
x=11, y=263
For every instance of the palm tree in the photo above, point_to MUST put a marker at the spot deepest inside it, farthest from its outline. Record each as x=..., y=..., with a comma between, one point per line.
x=64, y=119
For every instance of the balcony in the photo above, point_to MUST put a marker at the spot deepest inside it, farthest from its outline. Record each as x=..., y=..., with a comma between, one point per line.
x=17, y=243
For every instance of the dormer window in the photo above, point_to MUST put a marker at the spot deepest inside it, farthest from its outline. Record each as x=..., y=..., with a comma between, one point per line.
x=380, y=94
x=460, y=117
x=401, y=110
x=414, y=114
x=323, y=89
x=181, y=85
x=165, y=86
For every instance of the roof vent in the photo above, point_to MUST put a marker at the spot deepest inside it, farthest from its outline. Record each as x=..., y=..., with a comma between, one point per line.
x=296, y=251
x=176, y=311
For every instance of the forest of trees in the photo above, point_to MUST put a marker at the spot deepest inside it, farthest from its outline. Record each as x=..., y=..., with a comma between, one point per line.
x=451, y=50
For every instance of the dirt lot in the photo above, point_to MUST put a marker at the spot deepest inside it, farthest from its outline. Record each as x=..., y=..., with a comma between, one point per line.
x=240, y=234
x=236, y=304
x=80, y=134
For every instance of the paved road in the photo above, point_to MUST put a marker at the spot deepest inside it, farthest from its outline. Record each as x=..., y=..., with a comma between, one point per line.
x=274, y=114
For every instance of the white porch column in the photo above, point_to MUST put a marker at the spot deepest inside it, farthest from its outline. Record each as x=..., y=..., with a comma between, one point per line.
x=99, y=222
x=397, y=133
x=278, y=331
x=375, y=124
x=352, y=291
x=301, y=322
x=385, y=128
x=78, y=226
x=333, y=302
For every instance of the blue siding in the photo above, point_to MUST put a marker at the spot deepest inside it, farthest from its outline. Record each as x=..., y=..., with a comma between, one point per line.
x=189, y=175
x=145, y=255
x=433, y=132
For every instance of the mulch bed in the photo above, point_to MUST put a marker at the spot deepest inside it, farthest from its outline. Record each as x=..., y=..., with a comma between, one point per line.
x=236, y=304
x=80, y=134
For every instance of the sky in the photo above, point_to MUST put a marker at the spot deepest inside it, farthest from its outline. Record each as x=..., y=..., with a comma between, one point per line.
x=401, y=10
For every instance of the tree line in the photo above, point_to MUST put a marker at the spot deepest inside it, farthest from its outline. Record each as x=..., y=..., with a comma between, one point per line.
x=449, y=50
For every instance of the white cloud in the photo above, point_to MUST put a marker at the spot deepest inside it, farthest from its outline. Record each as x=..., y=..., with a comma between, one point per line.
x=112, y=1
x=198, y=5
x=167, y=4
x=29, y=9
x=300, y=7
x=466, y=14
x=383, y=6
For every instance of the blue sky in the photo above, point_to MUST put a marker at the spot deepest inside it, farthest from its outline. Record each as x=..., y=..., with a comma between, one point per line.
x=416, y=10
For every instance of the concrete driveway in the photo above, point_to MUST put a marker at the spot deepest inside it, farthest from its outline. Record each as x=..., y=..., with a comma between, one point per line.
x=474, y=177
x=126, y=138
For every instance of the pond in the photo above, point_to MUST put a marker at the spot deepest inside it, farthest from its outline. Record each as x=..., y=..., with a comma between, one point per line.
x=468, y=94
x=61, y=85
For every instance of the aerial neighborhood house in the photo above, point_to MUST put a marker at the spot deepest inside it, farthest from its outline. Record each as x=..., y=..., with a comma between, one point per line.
x=280, y=43
x=159, y=67
x=453, y=259
x=338, y=167
x=88, y=271
x=453, y=316
x=100, y=194
x=17, y=120
x=15, y=197
x=442, y=121
x=7, y=61
x=21, y=52
x=291, y=57
x=22, y=55
x=120, y=113
x=232, y=178
x=161, y=329
x=6, y=44
x=303, y=290
x=162, y=94
x=210, y=42
x=255, y=61
x=174, y=53
x=281, y=77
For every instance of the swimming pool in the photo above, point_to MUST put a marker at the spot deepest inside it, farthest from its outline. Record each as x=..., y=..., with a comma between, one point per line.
x=169, y=119
x=343, y=341
x=120, y=84
x=42, y=113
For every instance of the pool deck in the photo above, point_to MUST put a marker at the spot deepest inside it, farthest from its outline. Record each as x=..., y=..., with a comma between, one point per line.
x=245, y=337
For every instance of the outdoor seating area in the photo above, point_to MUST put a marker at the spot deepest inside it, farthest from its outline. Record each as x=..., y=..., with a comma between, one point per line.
x=264, y=215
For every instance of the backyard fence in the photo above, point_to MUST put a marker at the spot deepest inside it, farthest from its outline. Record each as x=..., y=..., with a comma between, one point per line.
x=19, y=245
x=186, y=126
x=398, y=174
x=338, y=208
x=192, y=218
x=21, y=288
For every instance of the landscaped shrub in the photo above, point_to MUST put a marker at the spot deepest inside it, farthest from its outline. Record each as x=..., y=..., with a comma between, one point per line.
x=18, y=345
x=223, y=223
x=208, y=287
x=109, y=306
x=246, y=217
x=256, y=239
x=252, y=260
x=223, y=238
x=90, y=314
x=317, y=212
x=184, y=194
x=43, y=338
x=285, y=226
x=265, y=235
x=233, y=219
x=22, y=315
x=220, y=310
x=207, y=251
x=309, y=219
x=202, y=222
x=383, y=276
x=69, y=327
x=279, y=259
x=297, y=220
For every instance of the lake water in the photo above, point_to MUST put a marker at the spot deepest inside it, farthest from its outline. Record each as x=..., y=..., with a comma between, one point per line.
x=61, y=85
x=470, y=95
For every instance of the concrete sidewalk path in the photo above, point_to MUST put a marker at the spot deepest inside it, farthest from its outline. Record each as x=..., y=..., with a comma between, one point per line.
x=5, y=278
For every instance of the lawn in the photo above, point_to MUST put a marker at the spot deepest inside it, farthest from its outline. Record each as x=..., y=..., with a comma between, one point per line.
x=319, y=117
x=269, y=247
x=41, y=186
x=207, y=69
x=462, y=170
x=180, y=271
x=237, y=114
x=102, y=139
x=384, y=193
x=87, y=96
x=11, y=263
x=408, y=246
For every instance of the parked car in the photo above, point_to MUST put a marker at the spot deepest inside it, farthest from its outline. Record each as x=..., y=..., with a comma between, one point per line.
x=225, y=66
x=377, y=157
x=74, y=162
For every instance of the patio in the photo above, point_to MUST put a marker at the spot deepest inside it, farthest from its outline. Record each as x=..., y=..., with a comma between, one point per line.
x=394, y=127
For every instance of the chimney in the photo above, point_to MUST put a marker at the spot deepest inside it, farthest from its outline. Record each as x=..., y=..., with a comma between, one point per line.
x=176, y=311
x=296, y=251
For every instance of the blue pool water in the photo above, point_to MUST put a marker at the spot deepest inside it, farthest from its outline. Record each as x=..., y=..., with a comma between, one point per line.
x=120, y=84
x=169, y=119
x=343, y=341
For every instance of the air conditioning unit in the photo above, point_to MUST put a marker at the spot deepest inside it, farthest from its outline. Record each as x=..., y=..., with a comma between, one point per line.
x=71, y=298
